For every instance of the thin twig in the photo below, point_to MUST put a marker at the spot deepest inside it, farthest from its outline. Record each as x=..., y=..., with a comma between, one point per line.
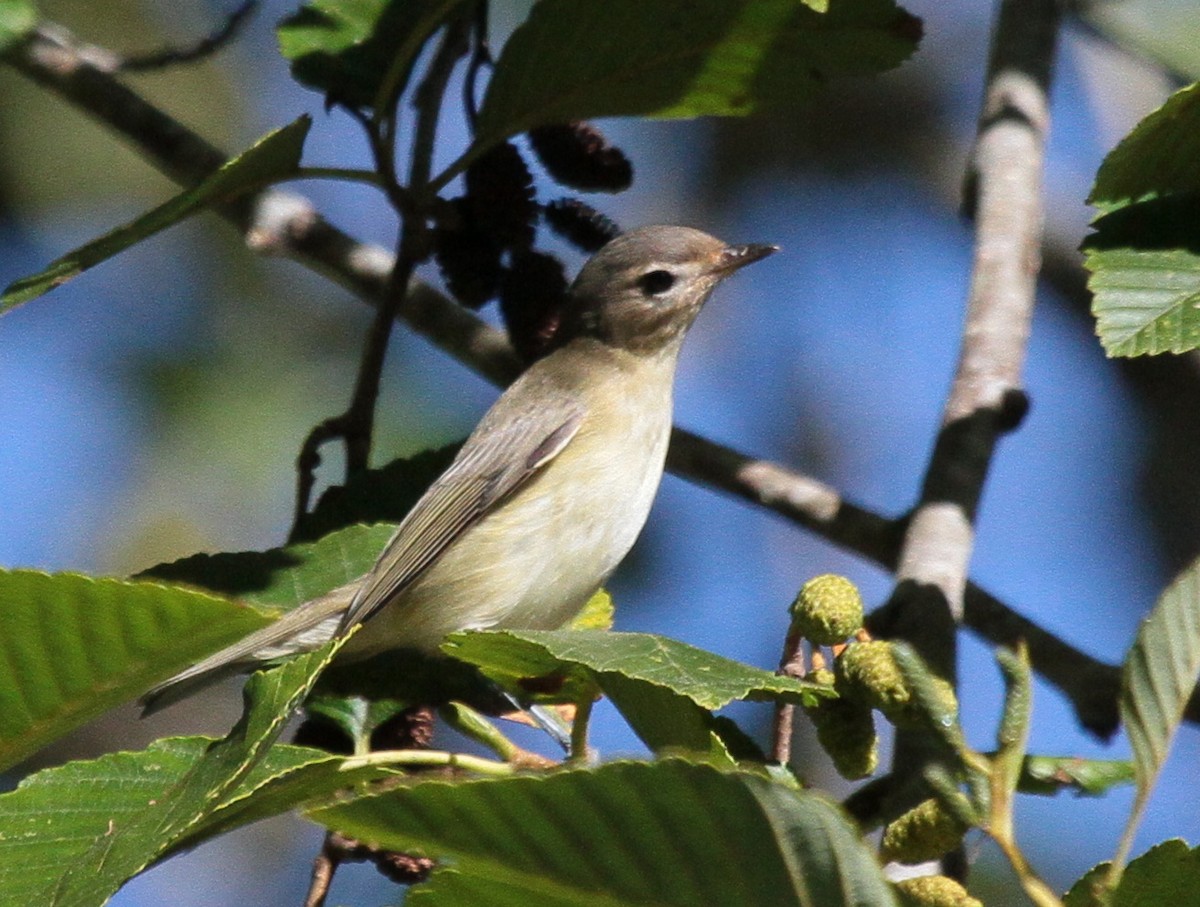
x=324, y=867
x=205, y=47
x=791, y=664
x=356, y=425
x=286, y=224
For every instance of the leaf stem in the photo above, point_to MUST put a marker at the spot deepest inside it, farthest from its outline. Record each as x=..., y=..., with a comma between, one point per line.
x=429, y=759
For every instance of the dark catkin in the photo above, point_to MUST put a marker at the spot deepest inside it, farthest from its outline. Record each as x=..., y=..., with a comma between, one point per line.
x=501, y=198
x=532, y=296
x=469, y=259
x=579, y=224
x=578, y=155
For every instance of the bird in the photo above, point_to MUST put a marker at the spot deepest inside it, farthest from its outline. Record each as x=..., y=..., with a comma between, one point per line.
x=548, y=493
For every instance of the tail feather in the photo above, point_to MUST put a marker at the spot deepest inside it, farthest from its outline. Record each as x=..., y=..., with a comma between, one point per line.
x=303, y=629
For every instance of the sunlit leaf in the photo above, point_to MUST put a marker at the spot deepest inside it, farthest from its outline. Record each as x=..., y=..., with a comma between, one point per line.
x=74, y=646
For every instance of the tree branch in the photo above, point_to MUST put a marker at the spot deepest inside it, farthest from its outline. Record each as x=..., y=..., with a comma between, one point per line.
x=1003, y=192
x=286, y=224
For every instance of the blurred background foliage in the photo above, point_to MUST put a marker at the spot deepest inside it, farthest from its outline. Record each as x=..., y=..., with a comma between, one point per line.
x=154, y=407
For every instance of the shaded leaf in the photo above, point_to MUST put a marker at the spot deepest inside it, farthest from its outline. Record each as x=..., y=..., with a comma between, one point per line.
x=282, y=577
x=1145, y=252
x=1156, y=158
x=383, y=495
x=272, y=158
x=55, y=817
x=351, y=49
x=17, y=19
x=1165, y=874
x=626, y=833
x=73, y=646
x=1087, y=777
x=682, y=58
x=1144, y=260
x=1159, y=674
x=1157, y=679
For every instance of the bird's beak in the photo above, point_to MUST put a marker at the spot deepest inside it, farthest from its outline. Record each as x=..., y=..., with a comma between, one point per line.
x=732, y=258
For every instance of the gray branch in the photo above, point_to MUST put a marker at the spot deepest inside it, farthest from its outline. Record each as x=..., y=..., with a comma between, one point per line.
x=1004, y=194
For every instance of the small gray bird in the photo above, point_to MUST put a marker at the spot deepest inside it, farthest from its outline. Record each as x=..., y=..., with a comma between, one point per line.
x=548, y=493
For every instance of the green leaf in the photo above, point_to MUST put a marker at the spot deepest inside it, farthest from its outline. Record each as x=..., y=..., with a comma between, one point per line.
x=597, y=614
x=1145, y=276
x=667, y=722
x=56, y=816
x=17, y=19
x=72, y=647
x=1086, y=777
x=128, y=846
x=282, y=577
x=582, y=59
x=352, y=50
x=1158, y=677
x=665, y=689
x=1145, y=269
x=708, y=680
x=272, y=158
x=1156, y=158
x=627, y=833
x=1165, y=874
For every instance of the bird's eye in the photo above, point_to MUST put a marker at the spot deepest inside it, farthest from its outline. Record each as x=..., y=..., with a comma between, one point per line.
x=655, y=282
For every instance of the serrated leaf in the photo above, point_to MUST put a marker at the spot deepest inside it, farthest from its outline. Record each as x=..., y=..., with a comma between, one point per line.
x=17, y=19
x=626, y=833
x=282, y=577
x=1157, y=679
x=72, y=646
x=127, y=847
x=1086, y=777
x=1145, y=270
x=1145, y=300
x=667, y=722
x=1160, y=673
x=349, y=49
x=710, y=681
x=54, y=817
x=1165, y=874
x=682, y=58
x=272, y=158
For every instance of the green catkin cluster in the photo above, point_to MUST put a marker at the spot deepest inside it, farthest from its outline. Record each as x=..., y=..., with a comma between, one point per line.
x=925, y=832
x=934, y=891
x=828, y=610
x=868, y=672
x=846, y=731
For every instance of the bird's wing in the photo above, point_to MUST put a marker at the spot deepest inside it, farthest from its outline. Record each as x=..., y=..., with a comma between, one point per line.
x=302, y=629
x=505, y=451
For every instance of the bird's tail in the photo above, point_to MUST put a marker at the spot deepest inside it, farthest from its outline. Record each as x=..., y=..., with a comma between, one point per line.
x=302, y=629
